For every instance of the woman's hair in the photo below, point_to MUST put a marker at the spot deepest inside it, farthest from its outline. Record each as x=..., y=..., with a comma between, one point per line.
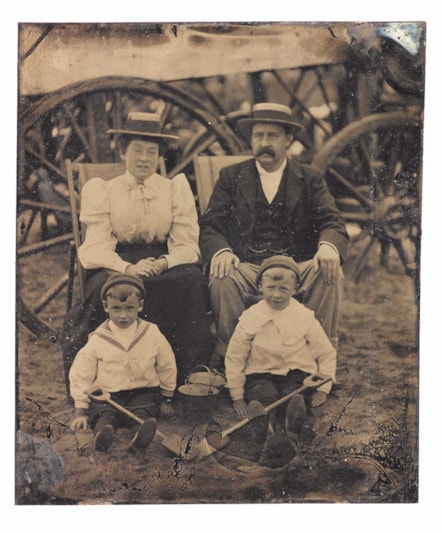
x=122, y=291
x=124, y=141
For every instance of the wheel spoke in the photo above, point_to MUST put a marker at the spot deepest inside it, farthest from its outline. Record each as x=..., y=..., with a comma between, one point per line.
x=46, y=163
x=407, y=255
x=78, y=131
x=365, y=202
x=211, y=97
x=25, y=227
x=369, y=162
x=50, y=294
x=165, y=115
x=44, y=245
x=203, y=144
x=296, y=101
x=375, y=162
x=44, y=205
x=319, y=73
x=362, y=259
x=34, y=323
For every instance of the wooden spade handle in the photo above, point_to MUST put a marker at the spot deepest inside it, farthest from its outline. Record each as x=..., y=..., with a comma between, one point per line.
x=313, y=381
x=104, y=396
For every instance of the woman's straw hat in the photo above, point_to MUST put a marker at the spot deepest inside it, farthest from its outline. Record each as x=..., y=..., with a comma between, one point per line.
x=144, y=125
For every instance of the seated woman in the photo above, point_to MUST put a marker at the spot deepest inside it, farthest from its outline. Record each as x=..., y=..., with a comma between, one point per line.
x=146, y=225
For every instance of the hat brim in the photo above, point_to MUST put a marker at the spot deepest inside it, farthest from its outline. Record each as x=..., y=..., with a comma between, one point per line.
x=116, y=279
x=132, y=133
x=275, y=263
x=245, y=124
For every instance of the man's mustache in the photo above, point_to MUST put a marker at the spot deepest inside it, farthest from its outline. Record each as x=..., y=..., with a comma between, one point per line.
x=266, y=151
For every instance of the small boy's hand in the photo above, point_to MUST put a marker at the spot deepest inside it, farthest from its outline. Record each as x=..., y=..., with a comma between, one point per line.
x=240, y=408
x=166, y=410
x=318, y=398
x=79, y=422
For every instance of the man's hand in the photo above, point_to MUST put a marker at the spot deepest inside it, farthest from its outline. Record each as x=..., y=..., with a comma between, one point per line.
x=327, y=259
x=222, y=264
x=318, y=398
x=240, y=408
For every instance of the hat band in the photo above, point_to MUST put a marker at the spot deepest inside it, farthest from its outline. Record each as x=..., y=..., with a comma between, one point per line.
x=143, y=126
x=271, y=115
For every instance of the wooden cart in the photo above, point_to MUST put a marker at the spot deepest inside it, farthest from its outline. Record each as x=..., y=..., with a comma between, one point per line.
x=358, y=88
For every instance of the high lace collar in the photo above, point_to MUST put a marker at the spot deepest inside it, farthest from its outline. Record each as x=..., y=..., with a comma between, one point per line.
x=147, y=189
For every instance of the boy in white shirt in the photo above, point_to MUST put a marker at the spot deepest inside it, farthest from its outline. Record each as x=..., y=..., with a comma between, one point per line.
x=276, y=344
x=131, y=359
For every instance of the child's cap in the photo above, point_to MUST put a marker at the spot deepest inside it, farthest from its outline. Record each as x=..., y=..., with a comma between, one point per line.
x=118, y=278
x=278, y=261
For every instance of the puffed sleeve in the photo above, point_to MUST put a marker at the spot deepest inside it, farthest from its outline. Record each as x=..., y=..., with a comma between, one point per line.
x=183, y=247
x=98, y=248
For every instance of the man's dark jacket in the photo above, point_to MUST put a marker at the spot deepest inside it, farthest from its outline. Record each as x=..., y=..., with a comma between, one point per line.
x=312, y=215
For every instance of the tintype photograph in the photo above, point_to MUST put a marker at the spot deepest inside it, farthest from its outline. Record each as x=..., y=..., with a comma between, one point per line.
x=218, y=262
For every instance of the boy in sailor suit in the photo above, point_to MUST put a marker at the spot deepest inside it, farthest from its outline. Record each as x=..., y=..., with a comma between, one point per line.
x=129, y=358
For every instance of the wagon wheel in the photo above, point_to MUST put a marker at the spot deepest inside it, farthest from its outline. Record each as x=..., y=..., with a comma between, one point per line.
x=373, y=168
x=72, y=124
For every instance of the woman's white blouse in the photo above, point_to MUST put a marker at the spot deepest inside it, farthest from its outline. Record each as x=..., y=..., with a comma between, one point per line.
x=121, y=211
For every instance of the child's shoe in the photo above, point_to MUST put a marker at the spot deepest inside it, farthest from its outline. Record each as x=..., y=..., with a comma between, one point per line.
x=296, y=414
x=143, y=437
x=104, y=438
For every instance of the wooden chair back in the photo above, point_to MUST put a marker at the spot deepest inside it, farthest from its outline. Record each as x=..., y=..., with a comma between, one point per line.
x=207, y=172
x=77, y=175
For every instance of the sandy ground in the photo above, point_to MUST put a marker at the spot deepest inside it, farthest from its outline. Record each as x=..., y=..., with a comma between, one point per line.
x=365, y=447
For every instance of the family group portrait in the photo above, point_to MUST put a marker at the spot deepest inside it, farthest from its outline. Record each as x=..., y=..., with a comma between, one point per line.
x=218, y=262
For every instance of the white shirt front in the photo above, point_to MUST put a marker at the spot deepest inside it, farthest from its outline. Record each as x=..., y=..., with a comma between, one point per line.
x=270, y=181
x=124, y=336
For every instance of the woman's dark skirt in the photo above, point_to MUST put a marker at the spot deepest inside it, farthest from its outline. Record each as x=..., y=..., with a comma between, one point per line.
x=177, y=302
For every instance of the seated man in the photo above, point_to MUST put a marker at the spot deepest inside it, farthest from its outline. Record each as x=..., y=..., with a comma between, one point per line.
x=269, y=206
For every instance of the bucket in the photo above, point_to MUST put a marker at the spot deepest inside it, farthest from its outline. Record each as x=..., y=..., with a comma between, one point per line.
x=199, y=393
x=203, y=375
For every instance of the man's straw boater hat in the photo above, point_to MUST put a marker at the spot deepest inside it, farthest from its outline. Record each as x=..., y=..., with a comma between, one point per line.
x=267, y=113
x=143, y=125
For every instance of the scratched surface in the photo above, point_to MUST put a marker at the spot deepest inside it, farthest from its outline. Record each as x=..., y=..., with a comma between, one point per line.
x=365, y=445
